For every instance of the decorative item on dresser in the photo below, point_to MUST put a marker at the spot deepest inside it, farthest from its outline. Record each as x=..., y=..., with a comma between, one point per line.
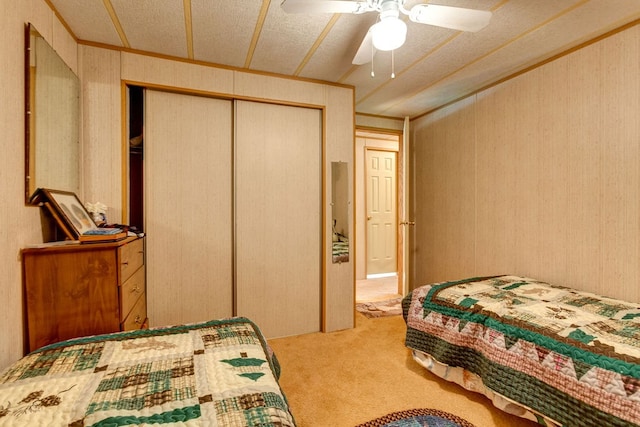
x=73, y=290
x=67, y=210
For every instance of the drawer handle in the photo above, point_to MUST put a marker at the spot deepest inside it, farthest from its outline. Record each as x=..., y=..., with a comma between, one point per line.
x=137, y=320
x=125, y=263
x=135, y=289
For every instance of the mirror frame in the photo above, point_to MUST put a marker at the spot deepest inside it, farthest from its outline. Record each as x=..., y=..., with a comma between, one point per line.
x=27, y=112
x=67, y=154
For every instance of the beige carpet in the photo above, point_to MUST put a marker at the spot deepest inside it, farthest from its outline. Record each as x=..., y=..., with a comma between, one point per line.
x=349, y=377
x=379, y=289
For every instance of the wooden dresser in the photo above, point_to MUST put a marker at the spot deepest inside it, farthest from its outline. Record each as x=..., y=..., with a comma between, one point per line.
x=83, y=289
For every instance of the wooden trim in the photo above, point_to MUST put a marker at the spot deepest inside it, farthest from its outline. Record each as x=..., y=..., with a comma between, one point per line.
x=116, y=22
x=124, y=110
x=61, y=19
x=323, y=228
x=401, y=215
x=234, y=200
x=354, y=208
x=188, y=26
x=317, y=44
x=219, y=95
x=374, y=129
x=27, y=113
x=264, y=9
x=379, y=116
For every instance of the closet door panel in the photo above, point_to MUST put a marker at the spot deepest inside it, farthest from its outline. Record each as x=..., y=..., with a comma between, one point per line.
x=278, y=217
x=188, y=207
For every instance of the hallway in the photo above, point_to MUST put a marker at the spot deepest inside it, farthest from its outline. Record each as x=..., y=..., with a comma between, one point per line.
x=377, y=289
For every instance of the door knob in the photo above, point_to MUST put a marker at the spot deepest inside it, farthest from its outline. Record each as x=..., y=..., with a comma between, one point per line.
x=369, y=218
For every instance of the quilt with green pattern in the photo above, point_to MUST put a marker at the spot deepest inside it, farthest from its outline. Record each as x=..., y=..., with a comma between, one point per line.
x=572, y=357
x=218, y=373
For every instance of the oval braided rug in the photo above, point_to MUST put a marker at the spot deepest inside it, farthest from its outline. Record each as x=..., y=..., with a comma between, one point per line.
x=418, y=418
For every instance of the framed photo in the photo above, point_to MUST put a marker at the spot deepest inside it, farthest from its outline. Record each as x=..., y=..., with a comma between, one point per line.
x=69, y=212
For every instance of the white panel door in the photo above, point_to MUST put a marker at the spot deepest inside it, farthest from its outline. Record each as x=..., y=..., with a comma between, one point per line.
x=381, y=212
x=278, y=217
x=188, y=207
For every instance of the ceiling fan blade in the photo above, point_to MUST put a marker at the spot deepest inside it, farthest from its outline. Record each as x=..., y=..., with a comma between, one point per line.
x=364, y=54
x=324, y=6
x=456, y=18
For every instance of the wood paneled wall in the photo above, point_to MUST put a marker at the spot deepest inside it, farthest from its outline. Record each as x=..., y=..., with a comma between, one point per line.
x=365, y=121
x=101, y=72
x=538, y=176
x=19, y=224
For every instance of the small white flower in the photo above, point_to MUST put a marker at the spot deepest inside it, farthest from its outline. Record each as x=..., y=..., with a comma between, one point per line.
x=96, y=208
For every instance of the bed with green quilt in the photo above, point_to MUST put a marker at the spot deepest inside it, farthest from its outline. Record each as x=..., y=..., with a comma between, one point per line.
x=217, y=373
x=547, y=353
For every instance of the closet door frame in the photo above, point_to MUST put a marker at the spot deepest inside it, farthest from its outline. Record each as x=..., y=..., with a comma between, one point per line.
x=233, y=98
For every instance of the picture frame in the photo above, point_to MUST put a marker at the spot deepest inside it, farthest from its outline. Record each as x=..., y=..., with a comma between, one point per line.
x=69, y=212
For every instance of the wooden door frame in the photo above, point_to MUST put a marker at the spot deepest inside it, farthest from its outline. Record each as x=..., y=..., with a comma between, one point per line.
x=400, y=197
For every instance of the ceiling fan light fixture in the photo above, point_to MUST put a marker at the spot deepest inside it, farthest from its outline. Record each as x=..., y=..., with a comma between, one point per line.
x=389, y=34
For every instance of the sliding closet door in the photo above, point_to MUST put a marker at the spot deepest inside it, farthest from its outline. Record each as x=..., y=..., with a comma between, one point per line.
x=278, y=217
x=188, y=207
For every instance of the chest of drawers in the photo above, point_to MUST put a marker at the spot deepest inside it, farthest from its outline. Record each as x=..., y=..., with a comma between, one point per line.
x=83, y=289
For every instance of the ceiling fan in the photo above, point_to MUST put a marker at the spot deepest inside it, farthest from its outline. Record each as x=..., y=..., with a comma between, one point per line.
x=390, y=32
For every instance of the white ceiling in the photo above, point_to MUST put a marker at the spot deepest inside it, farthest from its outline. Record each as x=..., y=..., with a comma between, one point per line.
x=434, y=67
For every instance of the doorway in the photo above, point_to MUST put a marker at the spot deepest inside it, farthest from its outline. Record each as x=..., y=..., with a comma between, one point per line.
x=379, y=239
x=382, y=213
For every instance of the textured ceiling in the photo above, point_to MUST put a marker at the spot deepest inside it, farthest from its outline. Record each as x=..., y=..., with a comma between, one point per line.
x=434, y=67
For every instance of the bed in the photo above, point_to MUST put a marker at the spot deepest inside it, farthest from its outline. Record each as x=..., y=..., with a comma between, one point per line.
x=543, y=352
x=217, y=373
x=340, y=252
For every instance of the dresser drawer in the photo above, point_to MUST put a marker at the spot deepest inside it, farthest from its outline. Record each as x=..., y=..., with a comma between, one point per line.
x=131, y=258
x=137, y=318
x=130, y=291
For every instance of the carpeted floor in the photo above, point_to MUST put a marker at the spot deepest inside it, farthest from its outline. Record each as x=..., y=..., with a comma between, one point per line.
x=345, y=378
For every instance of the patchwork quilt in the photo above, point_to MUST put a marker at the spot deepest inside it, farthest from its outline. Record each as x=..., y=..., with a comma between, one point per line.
x=218, y=373
x=340, y=251
x=570, y=357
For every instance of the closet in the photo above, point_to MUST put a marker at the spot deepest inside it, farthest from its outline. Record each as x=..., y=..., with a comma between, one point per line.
x=232, y=207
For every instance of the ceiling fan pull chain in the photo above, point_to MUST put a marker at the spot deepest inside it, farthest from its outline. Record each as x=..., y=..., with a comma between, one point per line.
x=393, y=64
x=372, y=52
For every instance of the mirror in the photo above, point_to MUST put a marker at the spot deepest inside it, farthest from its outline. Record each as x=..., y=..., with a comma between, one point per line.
x=340, y=211
x=52, y=146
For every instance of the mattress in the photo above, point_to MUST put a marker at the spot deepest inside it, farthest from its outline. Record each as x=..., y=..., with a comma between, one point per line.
x=219, y=372
x=549, y=353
